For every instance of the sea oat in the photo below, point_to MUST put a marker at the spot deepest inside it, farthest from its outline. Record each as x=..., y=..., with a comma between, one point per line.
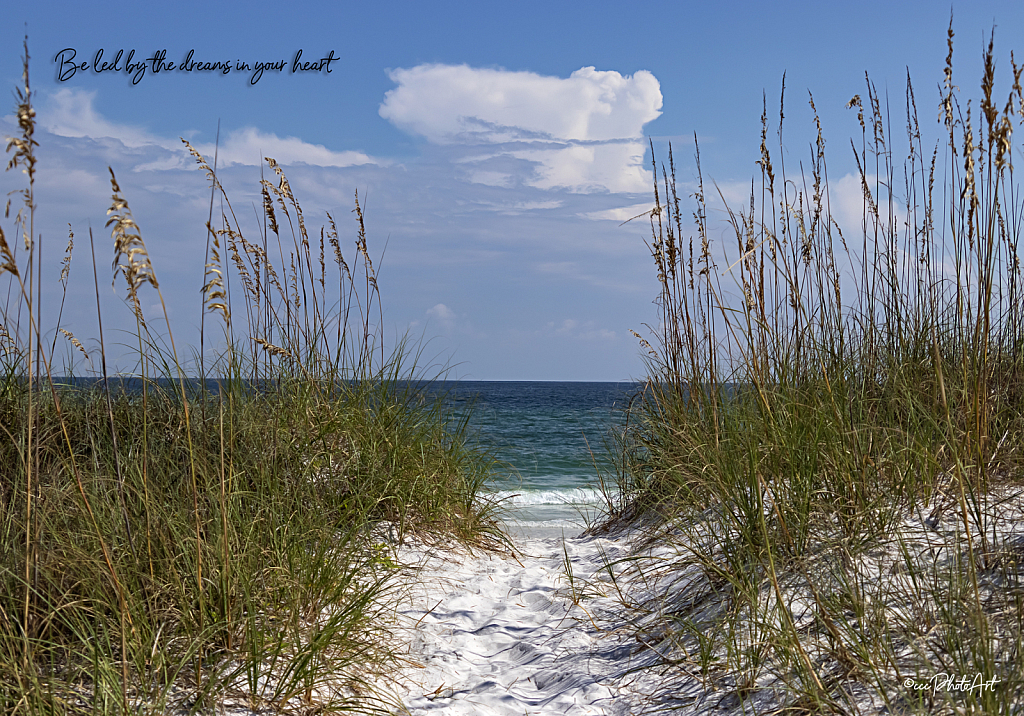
x=338, y=257
x=130, y=255
x=203, y=164
x=643, y=342
x=9, y=264
x=969, y=193
x=24, y=154
x=323, y=265
x=272, y=349
x=268, y=205
x=7, y=343
x=75, y=342
x=213, y=291
x=361, y=245
x=243, y=272
x=66, y=261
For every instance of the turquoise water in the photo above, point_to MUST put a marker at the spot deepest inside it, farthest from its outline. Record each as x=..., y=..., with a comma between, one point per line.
x=553, y=438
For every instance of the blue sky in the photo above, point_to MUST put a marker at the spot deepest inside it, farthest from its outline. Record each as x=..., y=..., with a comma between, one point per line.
x=498, y=147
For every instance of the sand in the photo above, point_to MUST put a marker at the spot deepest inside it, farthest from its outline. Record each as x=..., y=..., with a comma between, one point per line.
x=505, y=633
x=512, y=633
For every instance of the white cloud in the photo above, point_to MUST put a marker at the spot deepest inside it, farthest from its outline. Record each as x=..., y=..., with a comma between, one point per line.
x=446, y=103
x=442, y=318
x=499, y=179
x=443, y=321
x=848, y=206
x=442, y=313
x=515, y=208
x=621, y=214
x=71, y=113
x=249, y=145
x=584, y=132
x=585, y=331
x=611, y=167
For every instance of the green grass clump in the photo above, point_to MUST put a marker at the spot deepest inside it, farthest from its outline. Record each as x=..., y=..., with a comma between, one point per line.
x=222, y=535
x=832, y=428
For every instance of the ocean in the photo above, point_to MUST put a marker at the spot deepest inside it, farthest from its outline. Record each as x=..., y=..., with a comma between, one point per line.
x=554, y=441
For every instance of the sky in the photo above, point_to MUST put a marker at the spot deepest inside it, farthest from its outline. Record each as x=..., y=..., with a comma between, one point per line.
x=496, y=149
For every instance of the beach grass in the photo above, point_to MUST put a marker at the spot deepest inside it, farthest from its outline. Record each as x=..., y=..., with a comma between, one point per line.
x=830, y=436
x=221, y=532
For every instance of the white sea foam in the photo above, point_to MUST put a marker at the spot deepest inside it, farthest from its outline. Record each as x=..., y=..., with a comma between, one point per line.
x=566, y=496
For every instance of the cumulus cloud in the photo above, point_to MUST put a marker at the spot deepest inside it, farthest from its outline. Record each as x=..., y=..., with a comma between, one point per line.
x=446, y=103
x=584, y=132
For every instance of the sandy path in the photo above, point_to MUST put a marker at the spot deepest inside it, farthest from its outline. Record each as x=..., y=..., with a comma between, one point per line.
x=497, y=634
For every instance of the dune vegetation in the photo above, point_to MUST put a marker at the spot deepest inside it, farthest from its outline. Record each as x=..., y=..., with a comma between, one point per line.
x=831, y=433
x=188, y=536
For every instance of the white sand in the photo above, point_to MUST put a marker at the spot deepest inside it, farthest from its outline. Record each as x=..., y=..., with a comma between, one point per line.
x=496, y=634
x=501, y=634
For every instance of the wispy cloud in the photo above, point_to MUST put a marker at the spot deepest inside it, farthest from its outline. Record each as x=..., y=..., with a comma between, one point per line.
x=621, y=213
x=579, y=330
x=71, y=113
x=248, y=146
